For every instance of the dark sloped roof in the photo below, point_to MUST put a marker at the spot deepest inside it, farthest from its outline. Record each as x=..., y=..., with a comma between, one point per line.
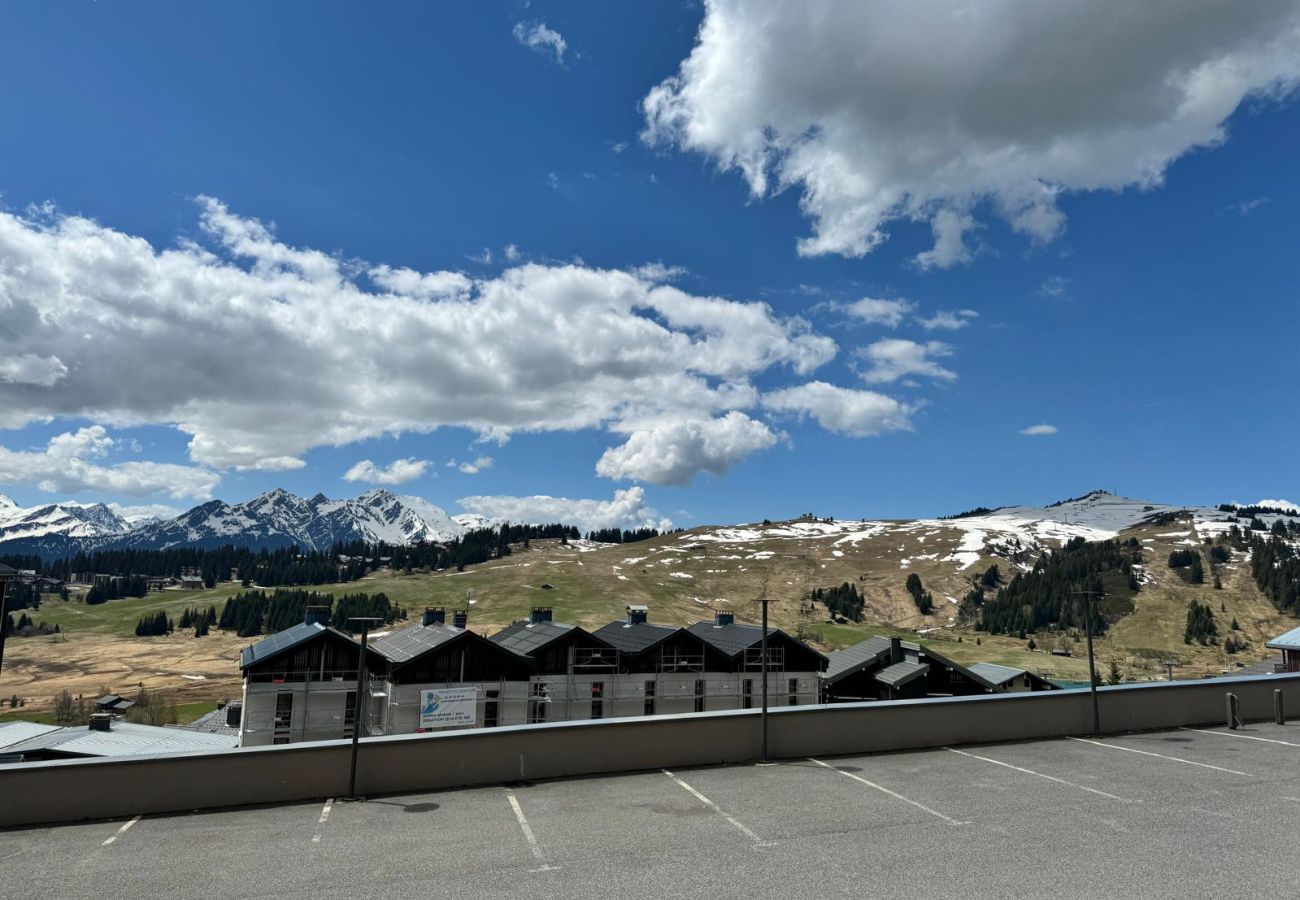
x=995, y=674
x=733, y=639
x=526, y=638
x=856, y=658
x=635, y=638
x=901, y=673
x=283, y=641
x=408, y=643
x=945, y=661
x=6, y=570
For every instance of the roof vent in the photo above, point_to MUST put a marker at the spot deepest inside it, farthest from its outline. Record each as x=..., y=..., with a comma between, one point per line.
x=540, y=614
x=101, y=722
x=721, y=618
x=434, y=615
x=637, y=615
x=316, y=615
x=459, y=618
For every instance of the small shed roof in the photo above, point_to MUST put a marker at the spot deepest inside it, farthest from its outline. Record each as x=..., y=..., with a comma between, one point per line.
x=995, y=674
x=901, y=673
x=1288, y=641
x=856, y=658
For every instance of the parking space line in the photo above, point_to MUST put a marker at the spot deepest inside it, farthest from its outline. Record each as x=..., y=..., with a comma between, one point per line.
x=1244, y=737
x=528, y=834
x=732, y=820
x=887, y=791
x=998, y=762
x=121, y=831
x=324, y=817
x=1186, y=762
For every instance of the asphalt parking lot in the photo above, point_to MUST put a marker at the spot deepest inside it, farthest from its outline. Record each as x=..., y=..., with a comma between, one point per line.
x=1189, y=813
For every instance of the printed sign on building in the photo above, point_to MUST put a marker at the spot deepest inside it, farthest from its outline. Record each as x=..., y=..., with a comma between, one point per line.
x=449, y=707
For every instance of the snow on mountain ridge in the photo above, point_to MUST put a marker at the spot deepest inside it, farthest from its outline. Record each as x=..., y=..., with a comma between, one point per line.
x=71, y=519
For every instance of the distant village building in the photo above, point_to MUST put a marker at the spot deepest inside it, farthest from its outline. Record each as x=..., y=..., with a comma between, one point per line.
x=1289, y=644
x=893, y=669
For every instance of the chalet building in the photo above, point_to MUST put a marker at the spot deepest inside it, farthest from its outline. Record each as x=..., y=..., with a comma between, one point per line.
x=574, y=673
x=1289, y=644
x=1010, y=680
x=794, y=669
x=892, y=669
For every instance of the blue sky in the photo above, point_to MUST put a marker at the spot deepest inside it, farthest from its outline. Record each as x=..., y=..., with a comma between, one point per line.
x=1146, y=309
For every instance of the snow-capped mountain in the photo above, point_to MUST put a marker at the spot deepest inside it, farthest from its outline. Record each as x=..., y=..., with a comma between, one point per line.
x=74, y=520
x=279, y=518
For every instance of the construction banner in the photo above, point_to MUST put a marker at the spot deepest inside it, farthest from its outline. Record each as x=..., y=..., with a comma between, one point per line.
x=449, y=707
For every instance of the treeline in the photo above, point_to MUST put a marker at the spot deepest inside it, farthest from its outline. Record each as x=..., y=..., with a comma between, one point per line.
x=969, y=513
x=286, y=565
x=155, y=625
x=843, y=600
x=200, y=620
x=1048, y=596
x=1254, y=510
x=624, y=536
x=1188, y=565
x=1276, y=570
x=25, y=626
x=114, y=588
x=250, y=613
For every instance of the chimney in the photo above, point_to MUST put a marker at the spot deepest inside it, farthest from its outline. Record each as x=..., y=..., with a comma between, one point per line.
x=721, y=618
x=434, y=615
x=460, y=618
x=234, y=713
x=101, y=721
x=316, y=615
x=540, y=614
x=637, y=615
x=895, y=650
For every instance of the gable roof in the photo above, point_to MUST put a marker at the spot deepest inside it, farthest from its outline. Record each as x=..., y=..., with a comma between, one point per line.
x=284, y=641
x=1288, y=641
x=733, y=639
x=636, y=638
x=900, y=673
x=995, y=674
x=415, y=640
x=5, y=570
x=123, y=739
x=526, y=638
x=852, y=660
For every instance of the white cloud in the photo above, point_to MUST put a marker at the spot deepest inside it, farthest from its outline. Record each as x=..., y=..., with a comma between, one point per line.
x=478, y=465
x=29, y=368
x=628, y=509
x=1055, y=286
x=399, y=471
x=851, y=412
x=675, y=452
x=879, y=312
x=658, y=272
x=948, y=319
x=894, y=110
x=512, y=253
x=1039, y=430
x=142, y=512
x=1246, y=207
x=893, y=358
x=68, y=464
x=546, y=41
x=279, y=349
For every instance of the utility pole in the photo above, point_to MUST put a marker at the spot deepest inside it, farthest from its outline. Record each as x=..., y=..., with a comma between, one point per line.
x=6, y=573
x=358, y=715
x=1092, y=665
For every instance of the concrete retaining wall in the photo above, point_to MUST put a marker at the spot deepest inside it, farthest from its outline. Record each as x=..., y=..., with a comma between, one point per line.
x=102, y=788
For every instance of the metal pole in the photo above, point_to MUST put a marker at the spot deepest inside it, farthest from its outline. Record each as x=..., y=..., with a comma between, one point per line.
x=4, y=581
x=1092, y=673
x=358, y=715
x=1279, y=713
x=764, y=645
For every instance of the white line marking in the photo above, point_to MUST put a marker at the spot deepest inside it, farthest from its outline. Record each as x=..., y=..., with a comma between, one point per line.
x=1244, y=737
x=735, y=823
x=998, y=762
x=121, y=831
x=325, y=813
x=1187, y=762
x=885, y=790
x=528, y=834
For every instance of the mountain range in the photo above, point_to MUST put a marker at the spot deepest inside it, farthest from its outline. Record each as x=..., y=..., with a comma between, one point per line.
x=276, y=518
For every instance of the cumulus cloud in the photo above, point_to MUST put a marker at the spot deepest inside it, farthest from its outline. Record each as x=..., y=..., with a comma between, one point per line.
x=893, y=358
x=70, y=462
x=284, y=350
x=142, y=512
x=675, y=452
x=546, y=41
x=628, y=509
x=852, y=412
x=948, y=319
x=399, y=471
x=29, y=368
x=471, y=467
x=874, y=311
x=1055, y=286
x=1039, y=430
x=895, y=110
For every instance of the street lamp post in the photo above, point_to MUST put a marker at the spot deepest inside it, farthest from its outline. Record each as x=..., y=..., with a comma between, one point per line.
x=6, y=573
x=358, y=715
x=765, y=756
x=1092, y=665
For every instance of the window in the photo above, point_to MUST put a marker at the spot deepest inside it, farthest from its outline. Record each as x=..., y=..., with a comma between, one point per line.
x=283, y=711
x=490, y=707
x=650, y=698
x=794, y=692
x=597, y=699
x=747, y=693
x=699, y=696
x=349, y=713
